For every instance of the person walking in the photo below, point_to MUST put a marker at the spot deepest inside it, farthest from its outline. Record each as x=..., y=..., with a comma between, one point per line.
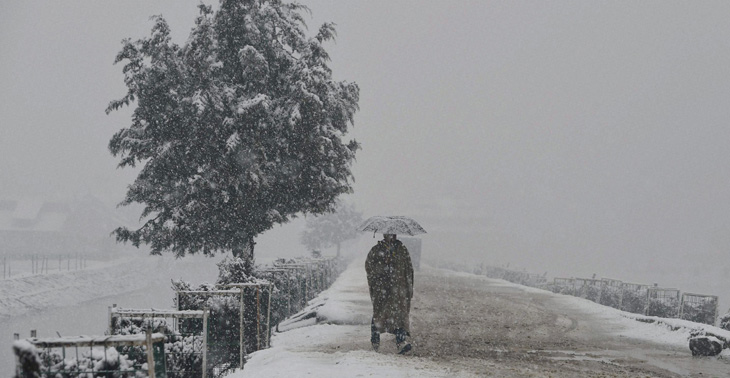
x=390, y=280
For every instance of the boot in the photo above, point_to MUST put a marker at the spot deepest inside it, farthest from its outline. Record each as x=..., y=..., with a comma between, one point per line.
x=400, y=341
x=407, y=348
x=374, y=336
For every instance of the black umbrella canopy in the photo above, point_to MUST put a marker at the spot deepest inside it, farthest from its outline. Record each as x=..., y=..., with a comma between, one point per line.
x=392, y=225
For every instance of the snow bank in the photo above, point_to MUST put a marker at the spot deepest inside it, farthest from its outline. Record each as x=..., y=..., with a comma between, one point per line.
x=345, y=302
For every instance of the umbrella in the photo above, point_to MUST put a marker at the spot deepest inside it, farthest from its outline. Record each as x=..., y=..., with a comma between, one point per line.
x=392, y=225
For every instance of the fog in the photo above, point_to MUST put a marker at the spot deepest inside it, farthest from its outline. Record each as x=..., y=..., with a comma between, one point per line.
x=565, y=137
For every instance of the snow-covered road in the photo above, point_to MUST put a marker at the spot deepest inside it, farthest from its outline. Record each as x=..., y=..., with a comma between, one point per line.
x=466, y=325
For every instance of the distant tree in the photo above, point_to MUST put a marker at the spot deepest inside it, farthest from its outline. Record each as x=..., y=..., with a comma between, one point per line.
x=238, y=129
x=332, y=229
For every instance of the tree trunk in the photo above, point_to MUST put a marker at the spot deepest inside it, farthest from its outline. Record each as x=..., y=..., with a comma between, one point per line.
x=338, y=249
x=248, y=249
x=245, y=251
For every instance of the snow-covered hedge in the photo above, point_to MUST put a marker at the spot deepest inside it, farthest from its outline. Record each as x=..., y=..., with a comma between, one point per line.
x=183, y=350
x=289, y=294
x=87, y=356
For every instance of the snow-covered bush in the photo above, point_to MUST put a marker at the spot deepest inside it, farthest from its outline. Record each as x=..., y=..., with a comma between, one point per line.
x=590, y=292
x=94, y=363
x=725, y=321
x=223, y=325
x=634, y=301
x=235, y=270
x=663, y=307
x=287, y=297
x=183, y=356
x=701, y=312
x=28, y=362
x=183, y=352
x=610, y=296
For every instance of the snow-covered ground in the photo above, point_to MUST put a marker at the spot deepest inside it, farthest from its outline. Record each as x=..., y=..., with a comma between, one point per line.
x=344, y=312
x=24, y=293
x=338, y=343
x=649, y=328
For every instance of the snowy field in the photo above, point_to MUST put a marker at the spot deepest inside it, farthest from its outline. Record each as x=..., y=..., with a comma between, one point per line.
x=339, y=343
x=25, y=293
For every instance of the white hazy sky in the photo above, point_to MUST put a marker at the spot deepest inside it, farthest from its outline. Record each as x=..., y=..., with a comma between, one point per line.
x=567, y=136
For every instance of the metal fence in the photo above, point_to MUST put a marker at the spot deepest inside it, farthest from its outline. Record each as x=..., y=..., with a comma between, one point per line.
x=209, y=333
x=94, y=356
x=226, y=339
x=33, y=264
x=588, y=288
x=699, y=308
x=611, y=293
x=662, y=302
x=186, y=344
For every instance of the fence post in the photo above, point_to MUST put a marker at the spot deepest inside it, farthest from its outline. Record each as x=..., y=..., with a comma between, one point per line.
x=621, y=296
x=175, y=322
x=288, y=293
x=111, y=328
x=241, y=338
x=306, y=286
x=681, y=307
x=150, y=354
x=679, y=304
x=258, y=317
x=268, y=318
x=205, y=341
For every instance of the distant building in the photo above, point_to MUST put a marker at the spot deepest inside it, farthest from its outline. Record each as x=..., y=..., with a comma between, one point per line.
x=30, y=226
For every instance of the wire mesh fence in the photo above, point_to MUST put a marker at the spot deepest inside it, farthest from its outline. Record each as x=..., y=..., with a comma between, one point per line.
x=662, y=302
x=611, y=294
x=139, y=355
x=185, y=331
x=224, y=351
x=633, y=297
x=209, y=333
x=588, y=288
x=699, y=308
